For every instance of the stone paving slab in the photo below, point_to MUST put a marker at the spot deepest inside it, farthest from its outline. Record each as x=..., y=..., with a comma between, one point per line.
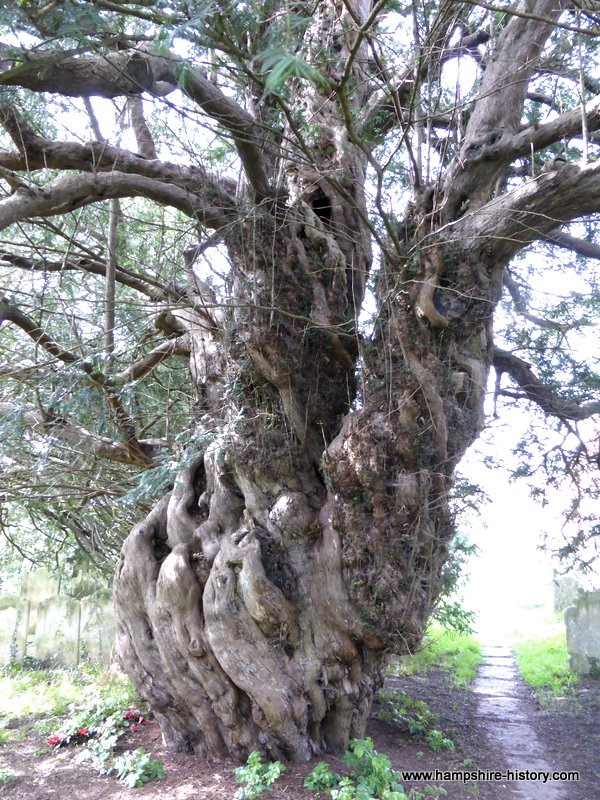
x=500, y=687
x=502, y=709
x=497, y=659
x=506, y=672
x=501, y=695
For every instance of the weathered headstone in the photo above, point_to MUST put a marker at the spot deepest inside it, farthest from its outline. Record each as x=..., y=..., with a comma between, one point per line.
x=566, y=591
x=57, y=631
x=97, y=628
x=81, y=586
x=583, y=634
x=37, y=587
x=14, y=613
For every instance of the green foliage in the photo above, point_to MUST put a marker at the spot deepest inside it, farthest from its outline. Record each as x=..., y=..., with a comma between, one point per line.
x=256, y=777
x=400, y=708
x=372, y=775
x=454, y=653
x=6, y=775
x=437, y=741
x=322, y=777
x=279, y=65
x=97, y=709
x=135, y=768
x=544, y=663
x=415, y=716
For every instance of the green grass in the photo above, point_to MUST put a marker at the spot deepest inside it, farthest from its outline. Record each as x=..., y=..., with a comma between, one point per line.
x=541, y=651
x=455, y=653
x=49, y=692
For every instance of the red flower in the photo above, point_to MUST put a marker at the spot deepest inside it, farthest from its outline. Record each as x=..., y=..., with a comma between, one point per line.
x=141, y=720
x=132, y=728
x=53, y=740
x=130, y=715
x=82, y=732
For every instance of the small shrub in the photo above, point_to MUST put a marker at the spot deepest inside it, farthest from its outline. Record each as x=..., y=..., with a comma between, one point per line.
x=413, y=715
x=6, y=775
x=437, y=741
x=135, y=768
x=372, y=774
x=257, y=777
x=322, y=777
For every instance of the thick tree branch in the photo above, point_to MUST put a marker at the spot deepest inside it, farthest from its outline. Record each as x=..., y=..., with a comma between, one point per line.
x=497, y=111
x=140, y=128
x=521, y=308
x=572, y=243
x=537, y=137
x=131, y=72
x=110, y=74
x=35, y=152
x=531, y=211
x=537, y=392
x=179, y=346
x=242, y=127
x=76, y=191
x=95, y=445
x=10, y=313
x=150, y=287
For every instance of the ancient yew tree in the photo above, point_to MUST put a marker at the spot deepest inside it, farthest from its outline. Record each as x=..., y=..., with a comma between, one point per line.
x=199, y=201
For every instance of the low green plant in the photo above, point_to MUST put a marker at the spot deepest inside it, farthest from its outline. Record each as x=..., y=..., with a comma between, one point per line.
x=101, y=749
x=6, y=775
x=257, y=778
x=437, y=741
x=4, y=734
x=430, y=792
x=371, y=777
x=322, y=777
x=135, y=768
x=400, y=708
x=97, y=718
x=413, y=715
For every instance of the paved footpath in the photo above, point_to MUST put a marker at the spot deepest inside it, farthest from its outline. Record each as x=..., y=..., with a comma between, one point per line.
x=501, y=697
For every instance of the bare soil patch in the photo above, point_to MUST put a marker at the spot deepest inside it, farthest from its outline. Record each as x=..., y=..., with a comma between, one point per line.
x=568, y=727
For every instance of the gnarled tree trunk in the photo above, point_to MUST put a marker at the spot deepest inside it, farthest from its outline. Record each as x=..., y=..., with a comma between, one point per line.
x=256, y=602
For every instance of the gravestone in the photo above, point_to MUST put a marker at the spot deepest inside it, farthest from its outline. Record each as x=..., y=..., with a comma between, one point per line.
x=81, y=586
x=566, y=591
x=57, y=631
x=14, y=613
x=97, y=628
x=37, y=587
x=583, y=634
